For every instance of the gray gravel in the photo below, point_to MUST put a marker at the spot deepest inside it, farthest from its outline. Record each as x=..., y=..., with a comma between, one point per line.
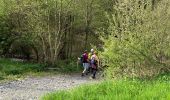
x=34, y=88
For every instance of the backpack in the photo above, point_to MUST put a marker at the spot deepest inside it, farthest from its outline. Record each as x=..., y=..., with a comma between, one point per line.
x=84, y=58
x=93, y=61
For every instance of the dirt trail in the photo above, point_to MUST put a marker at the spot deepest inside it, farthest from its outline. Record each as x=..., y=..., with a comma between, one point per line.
x=34, y=88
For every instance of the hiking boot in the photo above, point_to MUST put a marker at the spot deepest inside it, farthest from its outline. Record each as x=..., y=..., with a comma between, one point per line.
x=86, y=73
x=82, y=74
x=93, y=77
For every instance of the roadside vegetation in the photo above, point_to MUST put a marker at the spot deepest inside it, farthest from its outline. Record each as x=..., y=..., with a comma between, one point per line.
x=14, y=69
x=138, y=48
x=157, y=88
x=130, y=37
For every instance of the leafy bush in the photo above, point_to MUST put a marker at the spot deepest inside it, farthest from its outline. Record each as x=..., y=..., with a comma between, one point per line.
x=139, y=44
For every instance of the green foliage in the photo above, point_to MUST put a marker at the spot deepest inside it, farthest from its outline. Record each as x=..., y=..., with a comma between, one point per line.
x=12, y=68
x=1, y=76
x=139, y=40
x=126, y=89
x=1, y=7
x=67, y=66
x=136, y=33
x=19, y=68
x=46, y=28
x=5, y=36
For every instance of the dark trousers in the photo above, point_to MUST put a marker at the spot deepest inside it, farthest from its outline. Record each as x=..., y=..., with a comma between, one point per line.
x=90, y=69
x=94, y=70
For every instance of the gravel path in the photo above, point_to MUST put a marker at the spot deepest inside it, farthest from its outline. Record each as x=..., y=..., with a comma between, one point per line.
x=34, y=88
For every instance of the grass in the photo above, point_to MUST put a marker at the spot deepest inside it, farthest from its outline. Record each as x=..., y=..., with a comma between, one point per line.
x=127, y=89
x=13, y=70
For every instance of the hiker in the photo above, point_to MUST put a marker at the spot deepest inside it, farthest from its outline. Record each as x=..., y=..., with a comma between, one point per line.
x=90, y=55
x=85, y=61
x=94, y=64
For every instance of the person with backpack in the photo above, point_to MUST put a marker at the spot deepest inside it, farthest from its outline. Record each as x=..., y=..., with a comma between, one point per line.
x=94, y=62
x=85, y=61
x=90, y=55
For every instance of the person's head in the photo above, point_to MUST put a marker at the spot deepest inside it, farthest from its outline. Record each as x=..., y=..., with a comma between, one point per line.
x=92, y=50
x=85, y=51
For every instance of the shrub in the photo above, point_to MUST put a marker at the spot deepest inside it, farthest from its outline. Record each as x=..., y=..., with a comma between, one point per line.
x=139, y=44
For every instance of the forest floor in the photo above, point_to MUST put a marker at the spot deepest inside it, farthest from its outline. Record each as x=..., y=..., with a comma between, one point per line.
x=32, y=88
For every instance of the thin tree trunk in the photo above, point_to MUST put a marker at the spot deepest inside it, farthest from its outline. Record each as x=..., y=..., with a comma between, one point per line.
x=59, y=34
